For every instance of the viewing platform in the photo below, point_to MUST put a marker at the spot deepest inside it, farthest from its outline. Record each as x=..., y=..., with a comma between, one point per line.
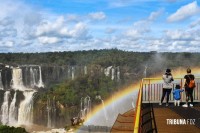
x=150, y=117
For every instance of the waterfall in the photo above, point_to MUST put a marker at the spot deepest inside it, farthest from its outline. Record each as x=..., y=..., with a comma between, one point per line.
x=113, y=73
x=17, y=82
x=40, y=83
x=33, y=76
x=5, y=108
x=1, y=84
x=48, y=112
x=72, y=73
x=25, y=114
x=118, y=73
x=104, y=110
x=85, y=70
x=51, y=112
x=107, y=71
x=13, y=111
x=85, y=107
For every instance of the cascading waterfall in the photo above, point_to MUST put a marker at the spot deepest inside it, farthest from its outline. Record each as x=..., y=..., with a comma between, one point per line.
x=51, y=112
x=40, y=83
x=13, y=111
x=25, y=114
x=85, y=107
x=85, y=70
x=104, y=110
x=113, y=73
x=72, y=73
x=33, y=76
x=118, y=73
x=5, y=108
x=107, y=71
x=17, y=82
x=48, y=112
x=1, y=84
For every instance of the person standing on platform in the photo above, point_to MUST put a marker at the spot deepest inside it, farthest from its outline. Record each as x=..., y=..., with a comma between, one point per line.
x=167, y=86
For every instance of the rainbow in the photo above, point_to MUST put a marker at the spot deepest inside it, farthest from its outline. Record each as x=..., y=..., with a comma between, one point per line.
x=177, y=73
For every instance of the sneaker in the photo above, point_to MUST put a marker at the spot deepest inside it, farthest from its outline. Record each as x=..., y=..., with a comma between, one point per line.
x=191, y=105
x=160, y=103
x=185, y=105
x=167, y=104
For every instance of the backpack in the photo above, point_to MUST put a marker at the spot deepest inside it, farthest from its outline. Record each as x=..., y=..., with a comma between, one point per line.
x=191, y=83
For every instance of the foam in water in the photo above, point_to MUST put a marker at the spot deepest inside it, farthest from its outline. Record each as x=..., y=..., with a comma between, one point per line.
x=1, y=84
x=5, y=108
x=17, y=82
x=25, y=115
x=40, y=83
x=13, y=111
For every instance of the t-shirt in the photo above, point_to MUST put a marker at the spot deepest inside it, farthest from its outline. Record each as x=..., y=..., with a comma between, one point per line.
x=188, y=77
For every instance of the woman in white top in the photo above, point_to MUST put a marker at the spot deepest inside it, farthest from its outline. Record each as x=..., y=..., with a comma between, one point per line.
x=167, y=86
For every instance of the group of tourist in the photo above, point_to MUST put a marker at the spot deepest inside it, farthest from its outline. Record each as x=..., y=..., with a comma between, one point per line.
x=188, y=87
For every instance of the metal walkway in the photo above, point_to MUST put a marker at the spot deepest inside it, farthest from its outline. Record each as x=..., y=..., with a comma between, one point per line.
x=149, y=117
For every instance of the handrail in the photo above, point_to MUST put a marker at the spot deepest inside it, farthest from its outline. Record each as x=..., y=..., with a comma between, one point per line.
x=138, y=110
x=137, y=119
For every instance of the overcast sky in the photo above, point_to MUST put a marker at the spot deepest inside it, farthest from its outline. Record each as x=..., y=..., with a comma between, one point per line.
x=71, y=25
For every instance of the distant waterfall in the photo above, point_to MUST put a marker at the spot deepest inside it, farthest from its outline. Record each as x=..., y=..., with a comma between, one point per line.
x=25, y=115
x=73, y=73
x=85, y=70
x=113, y=73
x=1, y=84
x=13, y=111
x=33, y=75
x=85, y=107
x=107, y=71
x=5, y=108
x=17, y=82
x=40, y=83
x=51, y=112
x=118, y=73
x=48, y=112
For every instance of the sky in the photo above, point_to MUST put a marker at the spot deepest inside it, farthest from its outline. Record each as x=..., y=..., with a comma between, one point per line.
x=72, y=25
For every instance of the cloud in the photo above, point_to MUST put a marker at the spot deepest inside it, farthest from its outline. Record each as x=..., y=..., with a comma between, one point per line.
x=154, y=15
x=195, y=23
x=48, y=40
x=110, y=30
x=97, y=15
x=184, y=12
x=6, y=43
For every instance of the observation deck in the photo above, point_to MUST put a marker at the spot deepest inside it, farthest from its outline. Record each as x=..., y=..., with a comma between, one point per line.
x=150, y=117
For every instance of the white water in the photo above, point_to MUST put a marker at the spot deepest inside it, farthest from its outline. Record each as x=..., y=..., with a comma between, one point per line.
x=104, y=111
x=5, y=108
x=73, y=73
x=25, y=114
x=107, y=71
x=113, y=73
x=40, y=83
x=85, y=107
x=118, y=73
x=17, y=82
x=1, y=84
x=13, y=111
x=48, y=112
x=85, y=70
x=33, y=77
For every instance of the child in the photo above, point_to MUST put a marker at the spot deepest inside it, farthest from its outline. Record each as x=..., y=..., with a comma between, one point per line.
x=177, y=95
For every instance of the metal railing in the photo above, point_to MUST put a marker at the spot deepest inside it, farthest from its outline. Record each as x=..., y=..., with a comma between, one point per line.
x=150, y=91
